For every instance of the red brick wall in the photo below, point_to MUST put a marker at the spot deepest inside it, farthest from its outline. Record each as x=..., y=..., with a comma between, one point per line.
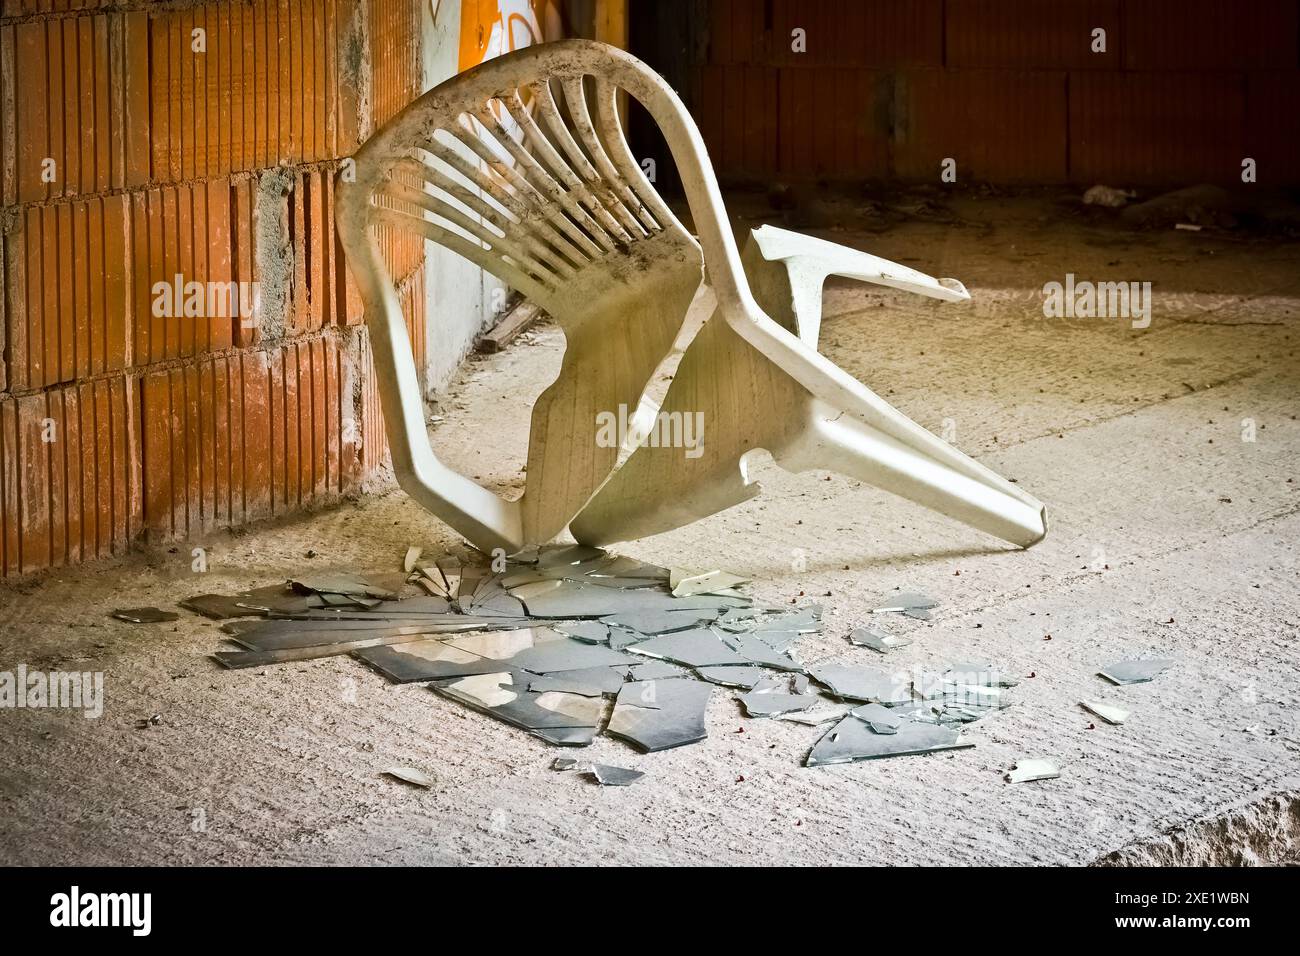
x=1009, y=88
x=117, y=425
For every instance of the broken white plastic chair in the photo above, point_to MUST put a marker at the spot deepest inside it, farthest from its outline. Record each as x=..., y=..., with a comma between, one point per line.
x=520, y=166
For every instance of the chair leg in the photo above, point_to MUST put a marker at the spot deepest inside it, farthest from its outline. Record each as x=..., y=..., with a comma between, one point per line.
x=835, y=441
x=808, y=261
x=897, y=455
x=748, y=403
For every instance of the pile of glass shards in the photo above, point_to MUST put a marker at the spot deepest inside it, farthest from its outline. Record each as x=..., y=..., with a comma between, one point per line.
x=565, y=642
x=571, y=642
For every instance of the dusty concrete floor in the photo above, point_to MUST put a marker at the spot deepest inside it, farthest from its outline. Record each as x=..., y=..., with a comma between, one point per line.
x=1171, y=536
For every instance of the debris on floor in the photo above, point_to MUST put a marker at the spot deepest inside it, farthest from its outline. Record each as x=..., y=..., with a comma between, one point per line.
x=1107, y=712
x=912, y=605
x=686, y=583
x=608, y=776
x=145, y=615
x=880, y=719
x=416, y=778
x=1107, y=196
x=854, y=739
x=1137, y=671
x=864, y=684
x=570, y=642
x=571, y=720
x=1029, y=770
x=660, y=714
x=1205, y=205
x=862, y=637
x=816, y=715
x=743, y=676
x=773, y=704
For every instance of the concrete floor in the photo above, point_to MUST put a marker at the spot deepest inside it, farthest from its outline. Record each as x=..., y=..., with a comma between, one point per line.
x=1171, y=536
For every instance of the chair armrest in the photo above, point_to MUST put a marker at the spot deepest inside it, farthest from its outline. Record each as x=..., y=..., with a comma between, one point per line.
x=809, y=260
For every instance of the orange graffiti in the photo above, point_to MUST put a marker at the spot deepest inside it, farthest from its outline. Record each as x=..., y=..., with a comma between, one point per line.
x=489, y=28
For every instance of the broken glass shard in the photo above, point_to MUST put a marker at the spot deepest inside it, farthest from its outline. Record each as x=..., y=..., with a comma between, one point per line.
x=853, y=739
x=568, y=599
x=659, y=714
x=777, y=640
x=912, y=605
x=876, y=640
x=535, y=589
x=471, y=578
x=589, y=632
x=589, y=682
x=963, y=714
x=974, y=695
x=424, y=660
x=239, y=659
x=342, y=582
x=739, y=618
x=417, y=778
x=567, y=654
x=753, y=648
x=568, y=554
x=412, y=606
x=773, y=704
x=806, y=620
x=623, y=572
x=430, y=575
x=145, y=615
x=660, y=622
x=624, y=567
x=744, y=676
x=607, y=581
x=621, y=637
x=420, y=581
x=918, y=710
x=559, y=718
x=498, y=602
x=864, y=684
x=686, y=583
x=279, y=598
x=332, y=600
x=449, y=568
x=1033, y=769
x=1136, y=671
x=654, y=670
x=608, y=776
x=928, y=685
x=880, y=719
x=821, y=714
x=1107, y=712
x=502, y=645
x=698, y=647
x=219, y=607
x=279, y=635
